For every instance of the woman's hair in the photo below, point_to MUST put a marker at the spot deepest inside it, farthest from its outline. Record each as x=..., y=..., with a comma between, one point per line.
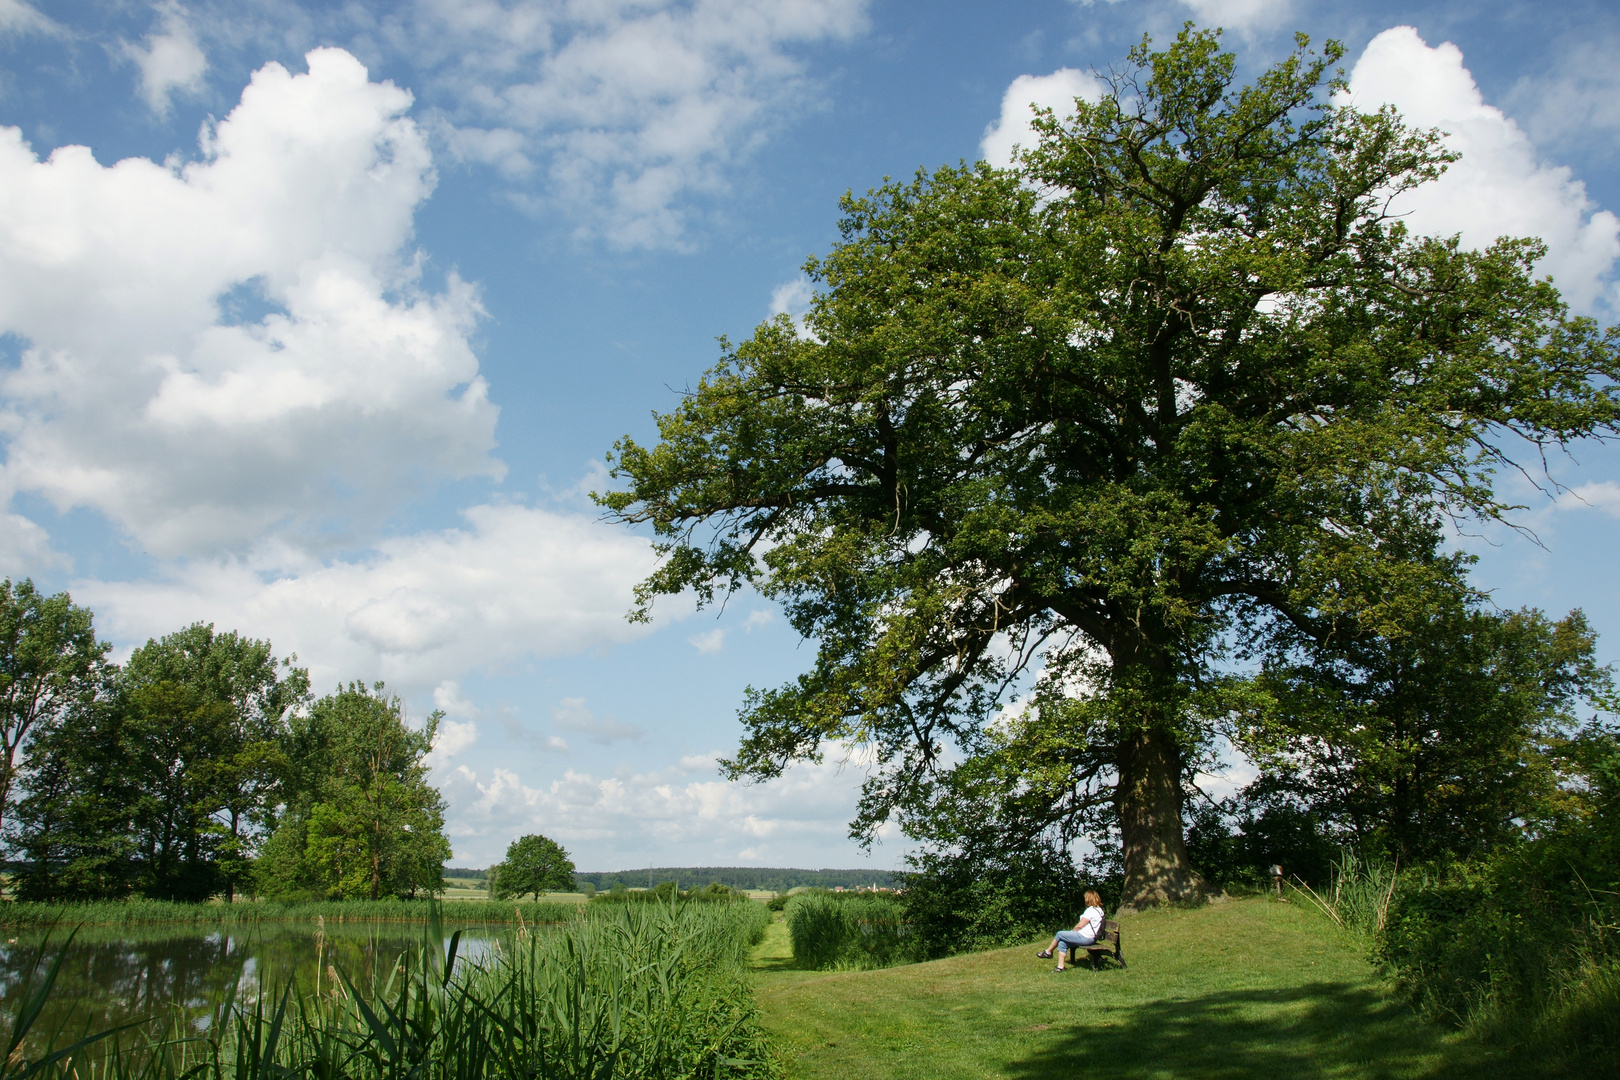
x=1092, y=899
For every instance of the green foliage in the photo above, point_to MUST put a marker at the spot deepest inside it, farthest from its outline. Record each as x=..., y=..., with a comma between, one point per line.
x=1234, y=843
x=958, y=903
x=848, y=930
x=1356, y=895
x=667, y=892
x=1172, y=386
x=533, y=864
x=361, y=819
x=1524, y=946
x=652, y=992
x=165, y=783
x=164, y=778
x=51, y=665
x=1445, y=740
x=245, y=914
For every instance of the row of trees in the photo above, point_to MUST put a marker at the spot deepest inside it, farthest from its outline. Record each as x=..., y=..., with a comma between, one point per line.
x=202, y=766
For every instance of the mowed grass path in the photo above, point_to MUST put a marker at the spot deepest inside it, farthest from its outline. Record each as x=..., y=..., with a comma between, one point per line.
x=1250, y=988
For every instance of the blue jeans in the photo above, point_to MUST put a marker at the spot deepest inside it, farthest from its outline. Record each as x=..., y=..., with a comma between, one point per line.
x=1068, y=940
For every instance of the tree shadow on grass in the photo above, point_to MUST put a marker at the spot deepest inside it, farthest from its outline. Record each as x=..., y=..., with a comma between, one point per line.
x=1312, y=1032
x=770, y=965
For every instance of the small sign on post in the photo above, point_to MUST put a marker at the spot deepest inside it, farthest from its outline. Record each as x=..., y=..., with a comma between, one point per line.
x=1276, y=879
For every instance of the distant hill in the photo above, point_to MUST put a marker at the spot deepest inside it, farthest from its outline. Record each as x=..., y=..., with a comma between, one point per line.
x=776, y=879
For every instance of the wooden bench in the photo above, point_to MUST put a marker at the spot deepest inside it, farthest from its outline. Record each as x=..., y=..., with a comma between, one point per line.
x=1107, y=944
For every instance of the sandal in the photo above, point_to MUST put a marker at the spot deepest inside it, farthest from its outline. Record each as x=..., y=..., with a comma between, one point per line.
x=1060, y=969
x=1045, y=954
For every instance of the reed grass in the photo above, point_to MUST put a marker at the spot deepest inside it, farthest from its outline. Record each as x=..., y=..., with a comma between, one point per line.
x=20, y=915
x=644, y=992
x=848, y=931
x=1357, y=896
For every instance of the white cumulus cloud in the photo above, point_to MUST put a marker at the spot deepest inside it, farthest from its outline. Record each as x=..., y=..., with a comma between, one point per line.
x=1056, y=91
x=168, y=60
x=681, y=814
x=625, y=111
x=241, y=343
x=1601, y=495
x=1500, y=187
x=793, y=299
x=452, y=738
x=1240, y=14
x=448, y=699
x=710, y=641
x=419, y=611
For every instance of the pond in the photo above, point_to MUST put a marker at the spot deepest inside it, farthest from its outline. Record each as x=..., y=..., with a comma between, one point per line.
x=179, y=976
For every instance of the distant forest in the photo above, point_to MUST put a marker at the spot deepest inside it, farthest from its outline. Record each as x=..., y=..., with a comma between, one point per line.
x=776, y=879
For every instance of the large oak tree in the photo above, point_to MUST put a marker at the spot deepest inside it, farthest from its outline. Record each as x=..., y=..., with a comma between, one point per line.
x=1176, y=380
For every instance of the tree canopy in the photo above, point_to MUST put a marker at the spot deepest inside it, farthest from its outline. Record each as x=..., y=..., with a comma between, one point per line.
x=50, y=664
x=166, y=776
x=361, y=819
x=201, y=766
x=534, y=864
x=1095, y=432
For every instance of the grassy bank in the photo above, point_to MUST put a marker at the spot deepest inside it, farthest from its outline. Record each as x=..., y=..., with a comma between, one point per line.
x=1235, y=990
x=156, y=912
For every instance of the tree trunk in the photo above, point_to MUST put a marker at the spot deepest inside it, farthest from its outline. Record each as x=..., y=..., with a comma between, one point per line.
x=1149, y=802
x=236, y=842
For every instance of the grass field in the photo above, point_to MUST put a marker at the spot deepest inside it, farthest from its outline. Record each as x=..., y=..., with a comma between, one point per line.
x=473, y=889
x=1249, y=988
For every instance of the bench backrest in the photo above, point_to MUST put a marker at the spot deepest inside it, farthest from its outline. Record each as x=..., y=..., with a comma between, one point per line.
x=1110, y=931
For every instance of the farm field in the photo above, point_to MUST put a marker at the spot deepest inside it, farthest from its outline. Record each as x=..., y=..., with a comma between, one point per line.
x=1240, y=989
x=473, y=889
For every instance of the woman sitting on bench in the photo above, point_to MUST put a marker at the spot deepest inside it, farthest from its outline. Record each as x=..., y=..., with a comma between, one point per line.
x=1084, y=934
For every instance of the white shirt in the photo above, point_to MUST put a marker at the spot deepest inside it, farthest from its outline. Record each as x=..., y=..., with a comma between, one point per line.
x=1092, y=922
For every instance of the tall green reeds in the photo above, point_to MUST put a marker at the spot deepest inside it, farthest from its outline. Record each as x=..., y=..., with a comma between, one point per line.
x=155, y=912
x=1357, y=895
x=848, y=930
x=650, y=991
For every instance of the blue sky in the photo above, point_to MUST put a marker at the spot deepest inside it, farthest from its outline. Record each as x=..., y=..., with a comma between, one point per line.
x=324, y=336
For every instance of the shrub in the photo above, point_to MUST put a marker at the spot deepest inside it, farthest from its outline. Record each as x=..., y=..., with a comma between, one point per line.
x=957, y=904
x=1524, y=947
x=667, y=892
x=848, y=930
x=1234, y=843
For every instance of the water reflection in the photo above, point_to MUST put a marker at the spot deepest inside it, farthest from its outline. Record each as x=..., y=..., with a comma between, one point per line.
x=114, y=976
